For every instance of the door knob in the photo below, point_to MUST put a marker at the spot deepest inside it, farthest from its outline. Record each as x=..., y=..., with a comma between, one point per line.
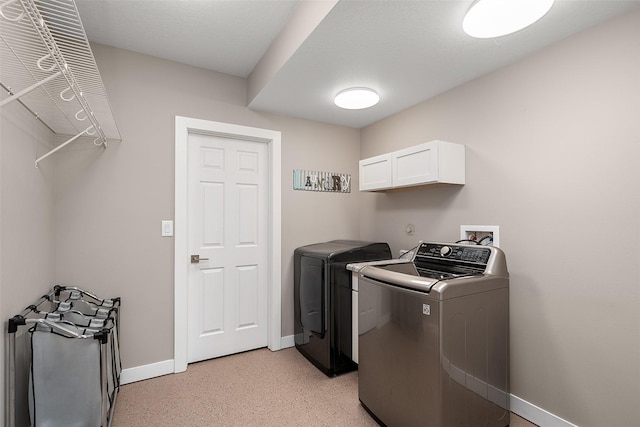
x=196, y=259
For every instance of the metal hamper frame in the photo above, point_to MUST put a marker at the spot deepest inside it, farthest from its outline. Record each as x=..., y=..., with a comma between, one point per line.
x=94, y=319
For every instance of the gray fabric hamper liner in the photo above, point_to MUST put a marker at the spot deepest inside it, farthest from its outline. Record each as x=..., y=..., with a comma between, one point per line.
x=65, y=387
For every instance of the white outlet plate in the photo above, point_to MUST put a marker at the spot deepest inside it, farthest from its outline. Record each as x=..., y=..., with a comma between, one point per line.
x=479, y=232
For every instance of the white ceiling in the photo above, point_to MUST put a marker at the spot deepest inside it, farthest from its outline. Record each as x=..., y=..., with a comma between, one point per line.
x=298, y=54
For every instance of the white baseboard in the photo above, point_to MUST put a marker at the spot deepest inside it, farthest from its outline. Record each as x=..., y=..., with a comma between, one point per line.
x=286, y=342
x=144, y=372
x=535, y=414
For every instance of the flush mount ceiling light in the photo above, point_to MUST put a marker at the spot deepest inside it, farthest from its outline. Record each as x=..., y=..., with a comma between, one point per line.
x=356, y=98
x=494, y=18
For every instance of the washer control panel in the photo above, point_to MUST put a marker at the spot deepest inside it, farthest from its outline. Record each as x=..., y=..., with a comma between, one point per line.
x=453, y=253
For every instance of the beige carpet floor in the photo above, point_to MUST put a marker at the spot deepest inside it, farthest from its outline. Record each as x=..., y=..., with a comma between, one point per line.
x=257, y=388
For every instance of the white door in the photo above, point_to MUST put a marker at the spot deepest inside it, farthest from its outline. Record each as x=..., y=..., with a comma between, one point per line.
x=228, y=188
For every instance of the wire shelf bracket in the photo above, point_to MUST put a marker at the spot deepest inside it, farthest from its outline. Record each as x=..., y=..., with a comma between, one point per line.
x=64, y=144
x=29, y=89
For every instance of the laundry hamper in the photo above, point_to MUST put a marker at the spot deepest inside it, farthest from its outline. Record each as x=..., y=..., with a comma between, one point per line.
x=74, y=366
x=82, y=307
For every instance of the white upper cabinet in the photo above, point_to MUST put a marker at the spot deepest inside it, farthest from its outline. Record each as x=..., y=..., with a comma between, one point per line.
x=428, y=163
x=375, y=173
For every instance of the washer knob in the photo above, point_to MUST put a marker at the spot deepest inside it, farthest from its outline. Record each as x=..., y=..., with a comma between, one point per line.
x=445, y=250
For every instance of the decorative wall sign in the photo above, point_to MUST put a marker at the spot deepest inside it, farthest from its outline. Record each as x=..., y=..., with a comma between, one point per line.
x=321, y=181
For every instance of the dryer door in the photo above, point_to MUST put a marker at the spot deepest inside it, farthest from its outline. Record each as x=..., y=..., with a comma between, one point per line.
x=313, y=295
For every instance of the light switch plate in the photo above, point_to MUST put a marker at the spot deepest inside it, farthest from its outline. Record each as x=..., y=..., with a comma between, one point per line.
x=167, y=228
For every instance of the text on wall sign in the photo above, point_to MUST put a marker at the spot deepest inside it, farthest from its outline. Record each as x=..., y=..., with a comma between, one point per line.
x=321, y=181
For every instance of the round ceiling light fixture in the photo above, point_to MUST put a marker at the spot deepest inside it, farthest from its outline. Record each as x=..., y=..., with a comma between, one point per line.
x=495, y=18
x=356, y=98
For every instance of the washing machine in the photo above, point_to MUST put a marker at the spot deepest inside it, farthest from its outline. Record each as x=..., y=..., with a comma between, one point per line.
x=433, y=337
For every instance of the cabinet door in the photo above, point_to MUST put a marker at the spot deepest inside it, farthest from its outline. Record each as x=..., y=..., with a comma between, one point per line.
x=375, y=173
x=415, y=165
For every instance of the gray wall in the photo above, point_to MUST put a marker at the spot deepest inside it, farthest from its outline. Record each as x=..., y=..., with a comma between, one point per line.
x=553, y=144
x=27, y=257
x=109, y=204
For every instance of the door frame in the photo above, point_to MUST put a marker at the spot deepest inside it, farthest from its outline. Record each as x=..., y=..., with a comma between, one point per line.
x=185, y=126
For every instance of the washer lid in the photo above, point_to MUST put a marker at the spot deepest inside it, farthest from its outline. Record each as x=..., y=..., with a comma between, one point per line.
x=404, y=275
